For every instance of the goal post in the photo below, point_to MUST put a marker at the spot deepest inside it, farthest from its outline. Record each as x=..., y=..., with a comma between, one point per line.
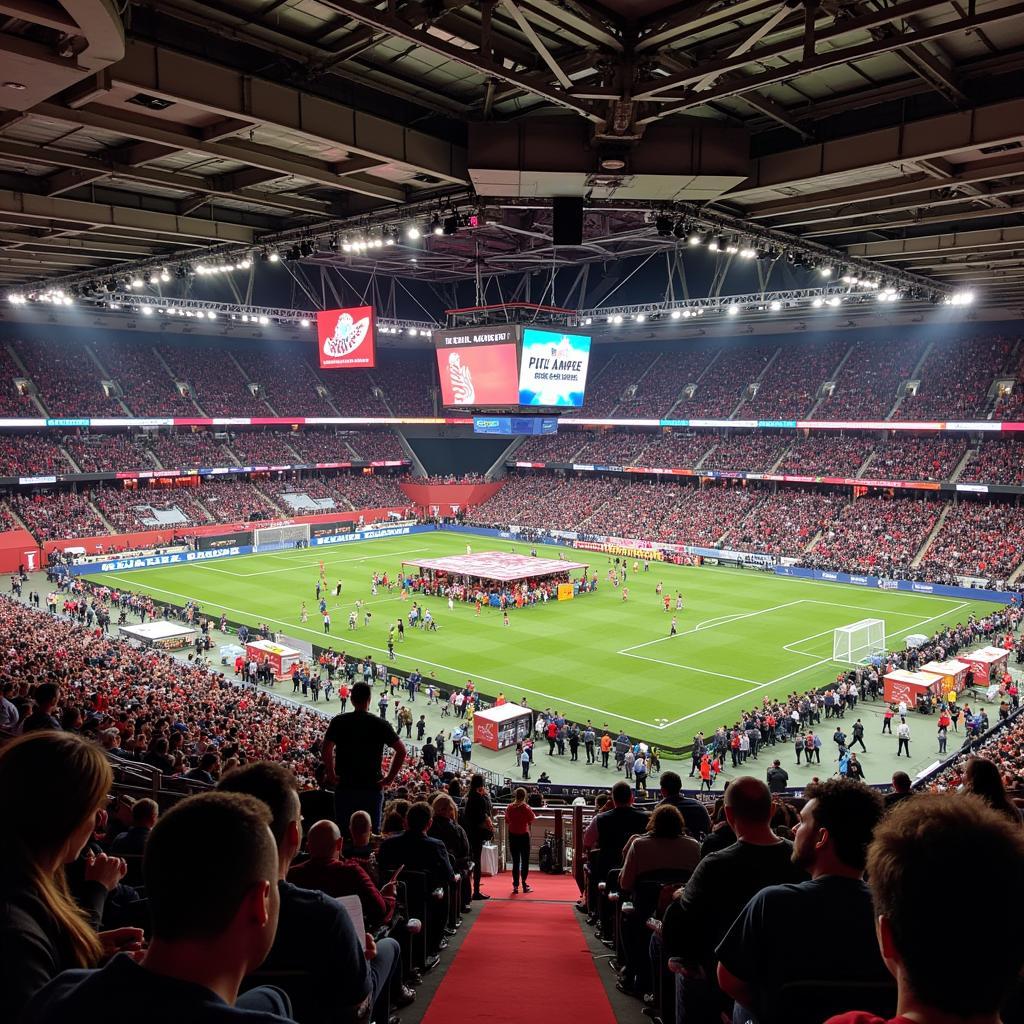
x=274, y=538
x=859, y=642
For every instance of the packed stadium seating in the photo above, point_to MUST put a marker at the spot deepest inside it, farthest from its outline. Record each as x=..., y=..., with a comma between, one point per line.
x=67, y=378
x=147, y=385
x=980, y=539
x=107, y=453
x=877, y=534
x=785, y=523
x=955, y=379
x=561, y=447
x=262, y=448
x=674, y=450
x=220, y=388
x=184, y=450
x=612, y=449
x=828, y=455
x=921, y=458
x=288, y=381
x=996, y=462
x=789, y=389
x=131, y=510
x=662, y=385
x=375, y=446
x=867, y=385
x=62, y=516
x=725, y=384
x=31, y=455
x=754, y=452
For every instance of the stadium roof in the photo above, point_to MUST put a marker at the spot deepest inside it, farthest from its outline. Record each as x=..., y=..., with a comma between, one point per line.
x=888, y=130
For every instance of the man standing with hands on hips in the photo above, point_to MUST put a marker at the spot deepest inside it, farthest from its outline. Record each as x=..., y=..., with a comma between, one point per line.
x=353, y=751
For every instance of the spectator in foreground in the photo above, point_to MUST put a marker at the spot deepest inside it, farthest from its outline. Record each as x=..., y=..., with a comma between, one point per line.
x=52, y=786
x=698, y=821
x=908, y=863
x=352, y=752
x=351, y=972
x=326, y=871
x=982, y=778
x=718, y=890
x=133, y=842
x=213, y=918
x=663, y=846
x=416, y=850
x=900, y=790
x=830, y=843
x=479, y=827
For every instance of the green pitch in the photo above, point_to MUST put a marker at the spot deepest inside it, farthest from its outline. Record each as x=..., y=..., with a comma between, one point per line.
x=743, y=635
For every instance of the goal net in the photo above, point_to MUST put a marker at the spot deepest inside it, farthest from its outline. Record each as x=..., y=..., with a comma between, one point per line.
x=273, y=538
x=859, y=642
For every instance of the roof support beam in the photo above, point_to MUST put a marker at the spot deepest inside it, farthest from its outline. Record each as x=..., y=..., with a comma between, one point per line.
x=242, y=152
x=545, y=54
x=46, y=208
x=92, y=168
x=911, y=248
x=205, y=85
x=387, y=22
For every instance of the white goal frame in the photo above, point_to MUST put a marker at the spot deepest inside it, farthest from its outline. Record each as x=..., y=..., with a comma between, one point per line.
x=275, y=538
x=858, y=642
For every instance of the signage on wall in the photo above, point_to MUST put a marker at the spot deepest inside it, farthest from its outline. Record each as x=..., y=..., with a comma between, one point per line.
x=345, y=338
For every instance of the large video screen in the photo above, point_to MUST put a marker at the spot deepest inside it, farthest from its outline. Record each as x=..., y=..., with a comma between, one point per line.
x=478, y=366
x=553, y=369
x=346, y=338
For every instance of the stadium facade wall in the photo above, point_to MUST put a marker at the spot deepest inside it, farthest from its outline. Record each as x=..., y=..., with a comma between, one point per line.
x=450, y=499
x=19, y=548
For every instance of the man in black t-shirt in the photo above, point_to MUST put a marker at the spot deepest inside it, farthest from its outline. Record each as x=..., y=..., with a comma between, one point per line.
x=718, y=890
x=695, y=815
x=352, y=753
x=830, y=842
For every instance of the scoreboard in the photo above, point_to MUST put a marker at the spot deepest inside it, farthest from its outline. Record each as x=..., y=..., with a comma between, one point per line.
x=509, y=367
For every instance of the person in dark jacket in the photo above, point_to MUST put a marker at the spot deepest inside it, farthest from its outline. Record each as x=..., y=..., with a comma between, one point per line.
x=416, y=850
x=52, y=785
x=133, y=842
x=695, y=815
x=476, y=819
x=616, y=825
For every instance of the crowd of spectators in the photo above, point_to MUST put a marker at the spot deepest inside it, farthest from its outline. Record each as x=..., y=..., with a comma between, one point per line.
x=184, y=450
x=67, y=379
x=790, y=387
x=237, y=501
x=674, y=450
x=607, y=382
x=127, y=509
x=352, y=392
x=725, y=383
x=979, y=539
x=867, y=386
x=611, y=448
x=785, y=522
x=663, y=383
x=219, y=386
x=1011, y=406
x=13, y=402
x=408, y=380
x=875, y=535
x=288, y=382
x=996, y=462
x=549, y=502
x=316, y=446
x=361, y=490
x=827, y=455
x=374, y=446
x=955, y=379
x=560, y=447
x=148, y=389
x=31, y=455
x=917, y=458
x=58, y=516
x=263, y=448
x=107, y=453
x=753, y=452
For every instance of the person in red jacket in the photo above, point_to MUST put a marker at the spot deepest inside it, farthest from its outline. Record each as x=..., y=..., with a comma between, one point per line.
x=519, y=817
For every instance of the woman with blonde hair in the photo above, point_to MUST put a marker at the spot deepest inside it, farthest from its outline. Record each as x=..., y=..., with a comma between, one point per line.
x=52, y=785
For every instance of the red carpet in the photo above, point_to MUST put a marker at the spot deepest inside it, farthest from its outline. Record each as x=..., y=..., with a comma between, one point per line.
x=522, y=955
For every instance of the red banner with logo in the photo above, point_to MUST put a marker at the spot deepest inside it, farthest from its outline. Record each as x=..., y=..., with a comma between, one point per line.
x=346, y=338
x=479, y=375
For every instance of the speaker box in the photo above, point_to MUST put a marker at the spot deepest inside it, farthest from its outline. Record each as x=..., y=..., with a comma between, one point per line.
x=567, y=220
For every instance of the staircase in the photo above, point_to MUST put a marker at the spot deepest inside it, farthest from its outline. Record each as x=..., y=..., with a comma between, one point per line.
x=67, y=455
x=174, y=377
x=918, y=558
x=915, y=374
x=24, y=373
x=700, y=377
x=767, y=366
x=328, y=398
x=834, y=375
x=103, y=519
x=962, y=464
x=248, y=380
